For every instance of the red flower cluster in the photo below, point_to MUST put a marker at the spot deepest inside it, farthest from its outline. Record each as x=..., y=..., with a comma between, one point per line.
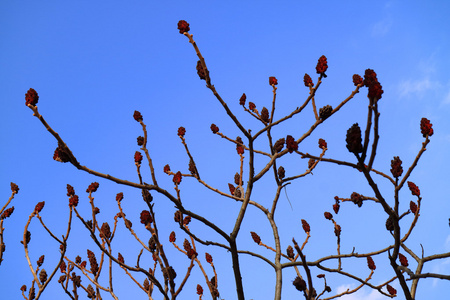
x=413, y=188
x=137, y=116
x=70, y=190
x=308, y=81
x=242, y=99
x=322, y=144
x=426, y=127
x=119, y=197
x=371, y=81
x=278, y=146
x=140, y=140
x=31, y=97
x=255, y=237
x=353, y=139
x=120, y=258
x=73, y=201
x=357, y=80
x=199, y=289
x=265, y=115
x=413, y=207
x=39, y=207
x=208, y=258
x=239, y=149
x=357, y=199
x=337, y=230
x=273, y=81
x=325, y=112
x=166, y=169
x=290, y=252
x=336, y=207
x=14, y=188
x=92, y=187
x=322, y=66
x=172, y=237
x=200, y=71
x=105, y=231
x=391, y=290
x=328, y=215
x=138, y=157
x=299, y=284
x=214, y=128
x=183, y=26
x=396, y=167
x=61, y=155
x=181, y=131
x=177, y=178
x=231, y=188
x=93, y=262
x=371, y=263
x=187, y=220
x=146, y=218
x=305, y=226
x=251, y=106
x=7, y=213
x=291, y=144
x=403, y=260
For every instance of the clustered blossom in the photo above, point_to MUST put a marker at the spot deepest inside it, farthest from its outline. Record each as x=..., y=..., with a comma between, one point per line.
x=40, y=260
x=92, y=187
x=371, y=81
x=391, y=290
x=92, y=262
x=403, y=260
x=371, y=263
x=119, y=197
x=31, y=97
x=390, y=223
x=278, y=146
x=231, y=188
x=291, y=144
x=190, y=252
x=181, y=131
x=166, y=169
x=305, y=226
x=7, y=213
x=396, y=167
x=105, y=231
x=354, y=139
x=426, y=127
x=70, y=190
x=242, y=99
x=413, y=188
x=146, y=218
x=336, y=207
x=322, y=144
x=183, y=26
x=140, y=140
x=325, y=112
x=290, y=252
x=14, y=188
x=251, y=106
x=208, y=258
x=120, y=258
x=39, y=207
x=413, y=207
x=214, y=128
x=273, y=81
x=177, y=178
x=73, y=201
x=337, y=230
x=357, y=80
x=137, y=116
x=328, y=215
x=43, y=276
x=265, y=115
x=239, y=149
x=357, y=199
x=308, y=81
x=299, y=284
x=200, y=71
x=199, y=289
x=138, y=157
x=322, y=66
x=187, y=220
x=172, y=237
x=255, y=237
x=61, y=154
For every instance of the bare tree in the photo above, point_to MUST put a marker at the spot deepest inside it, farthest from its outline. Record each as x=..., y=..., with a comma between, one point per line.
x=163, y=279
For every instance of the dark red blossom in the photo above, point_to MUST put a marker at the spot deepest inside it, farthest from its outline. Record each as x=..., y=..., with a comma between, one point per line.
x=31, y=97
x=299, y=284
x=273, y=81
x=172, y=237
x=239, y=149
x=337, y=230
x=413, y=207
x=39, y=207
x=370, y=77
x=426, y=127
x=255, y=237
x=322, y=144
x=328, y=215
x=278, y=146
x=199, y=289
x=140, y=140
x=291, y=144
x=177, y=178
x=181, y=131
x=371, y=263
x=322, y=66
x=391, y=290
x=413, y=188
x=403, y=260
x=138, y=157
x=354, y=139
x=336, y=207
x=200, y=71
x=183, y=26
x=305, y=226
x=120, y=258
x=105, y=231
x=290, y=252
x=119, y=197
x=40, y=260
x=70, y=190
x=357, y=199
x=251, y=106
x=231, y=188
x=7, y=213
x=325, y=112
x=308, y=81
x=214, y=128
x=73, y=201
x=187, y=220
x=137, y=116
x=14, y=188
x=396, y=167
x=61, y=154
x=375, y=91
x=208, y=258
x=357, y=80
x=166, y=169
x=146, y=218
x=92, y=187
x=242, y=99
x=92, y=262
x=265, y=115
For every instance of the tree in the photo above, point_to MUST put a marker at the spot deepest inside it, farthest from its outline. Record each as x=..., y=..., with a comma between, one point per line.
x=166, y=278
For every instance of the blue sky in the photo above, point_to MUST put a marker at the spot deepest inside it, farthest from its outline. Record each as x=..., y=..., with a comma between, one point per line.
x=93, y=64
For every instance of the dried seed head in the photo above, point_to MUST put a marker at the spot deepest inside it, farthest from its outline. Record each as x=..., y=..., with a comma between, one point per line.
x=208, y=258
x=311, y=163
x=299, y=284
x=237, y=178
x=7, y=213
x=43, y=276
x=239, y=149
x=178, y=216
x=281, y=172
x=146, y=218
x=322, y=144
x=172, y=237
x=166, y=169
x=328, y=215
x=291, y=144
x=354, y=140
x=40, y=260
x=73, y=201
x=181, y=131
x=325, y=112
x=119, y=197
x=278, y=146
x=105, y=231
x=290, y=251
x=177, y=178
x=231, y=188
x=200, y=71
x=92, y=262
x=390, y=224
x=391, y=290
x=337, y=230
x=63, y=266
x=61, y=154
x=336, y=207
x=357, y=199
x=199, y=289
x=70, y=190
x=265, y=115
x=251, y=106
x=187, y=220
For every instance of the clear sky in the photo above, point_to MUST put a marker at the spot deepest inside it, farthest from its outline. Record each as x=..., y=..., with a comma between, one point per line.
x=94, y=62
